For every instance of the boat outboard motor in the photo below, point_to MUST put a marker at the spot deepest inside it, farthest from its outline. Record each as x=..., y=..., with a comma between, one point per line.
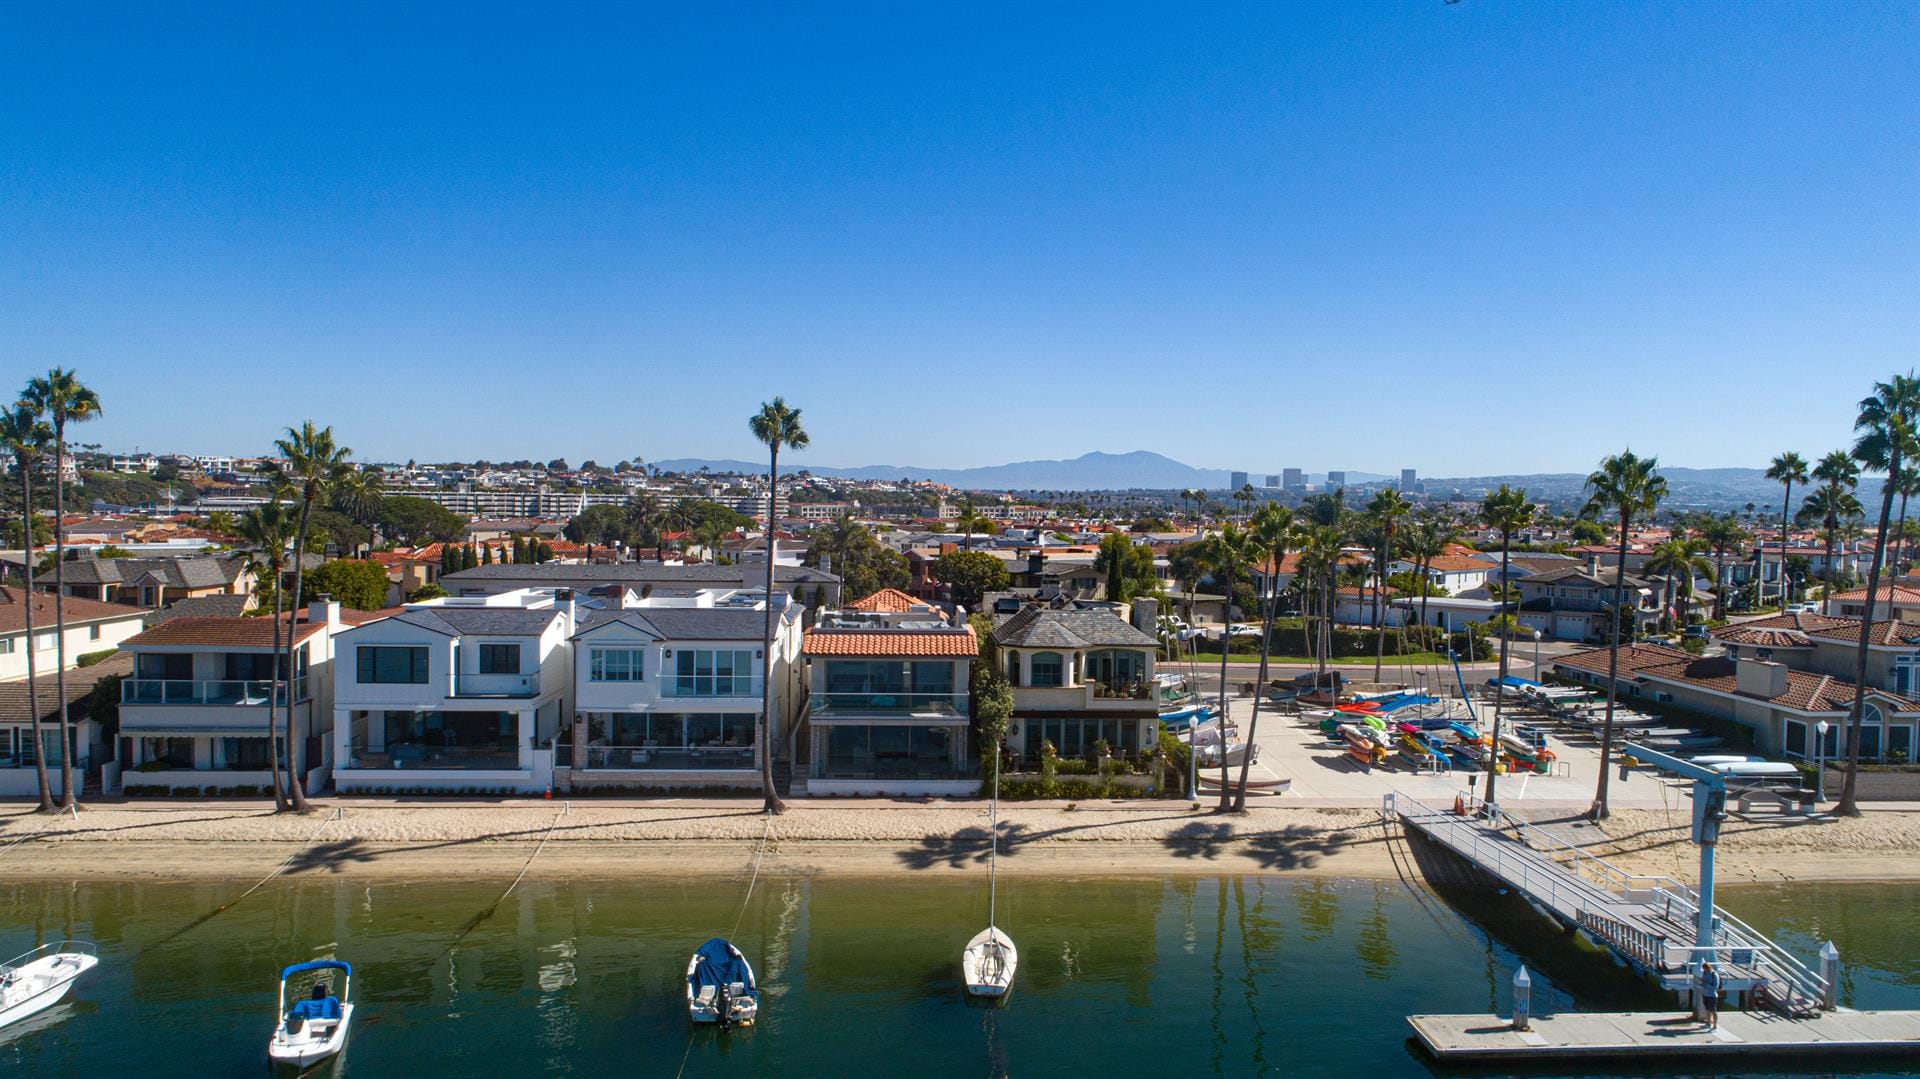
x=724, y=1002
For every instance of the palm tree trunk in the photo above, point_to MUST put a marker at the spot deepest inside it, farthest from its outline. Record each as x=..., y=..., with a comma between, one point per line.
x=68, y=796
x=1599, y=810
x=1226, y=649
x=1848, y=806
x=1900, y=537
x=1826, y=597
x=1426, y=590
x=273, y=694
x=773, y=804
x=33, y=681
x=1379, y=600
x=296, y=791
x=1786, y=502
x=1259, y=688
x=1500, y=690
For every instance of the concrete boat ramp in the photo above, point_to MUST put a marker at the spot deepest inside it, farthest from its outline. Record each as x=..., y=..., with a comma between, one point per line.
x=1654, y=1037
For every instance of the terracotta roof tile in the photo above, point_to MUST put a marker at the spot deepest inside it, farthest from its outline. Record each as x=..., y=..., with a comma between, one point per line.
x=1806, y=691
x=13, y=610
x=891, y=642
x=887, y=601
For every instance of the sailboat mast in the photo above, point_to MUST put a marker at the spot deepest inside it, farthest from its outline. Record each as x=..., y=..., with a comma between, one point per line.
x=993, y=859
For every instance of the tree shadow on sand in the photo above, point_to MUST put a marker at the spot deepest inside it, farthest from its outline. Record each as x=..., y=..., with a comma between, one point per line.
x=1293, y=847
x=968, y=846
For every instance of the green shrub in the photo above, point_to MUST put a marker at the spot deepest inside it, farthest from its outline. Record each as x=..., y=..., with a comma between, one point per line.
x=88, y=659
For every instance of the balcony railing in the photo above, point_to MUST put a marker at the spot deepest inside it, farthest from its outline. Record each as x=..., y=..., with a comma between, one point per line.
x=712, y=685
x=414, y=755
x=890, y=704
x=1122, y=691
x=466, y=684
x=885, y=767
x=667, y=758
x=206, y=691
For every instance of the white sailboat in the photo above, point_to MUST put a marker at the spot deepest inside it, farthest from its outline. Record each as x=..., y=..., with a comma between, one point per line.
x=989, y=960
x=36, y=981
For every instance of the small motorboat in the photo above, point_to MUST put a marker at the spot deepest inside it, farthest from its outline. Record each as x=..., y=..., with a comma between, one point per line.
x=1264, y=786
x=988, y=963
x=315, y=1025
x=720, y=986
x=36, y=981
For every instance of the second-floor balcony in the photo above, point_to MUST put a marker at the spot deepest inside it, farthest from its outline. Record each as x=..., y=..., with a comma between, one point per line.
x=868, y=703
x=470, y=684
x=712, y=685
x=203, y=691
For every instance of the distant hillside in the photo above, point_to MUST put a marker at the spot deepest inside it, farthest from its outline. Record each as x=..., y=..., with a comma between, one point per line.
x=1088, y=472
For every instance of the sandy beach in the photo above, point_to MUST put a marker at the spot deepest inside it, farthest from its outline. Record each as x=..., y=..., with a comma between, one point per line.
x=244, y=841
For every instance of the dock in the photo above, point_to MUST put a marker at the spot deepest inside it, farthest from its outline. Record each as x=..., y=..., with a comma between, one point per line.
x=1665, y=1036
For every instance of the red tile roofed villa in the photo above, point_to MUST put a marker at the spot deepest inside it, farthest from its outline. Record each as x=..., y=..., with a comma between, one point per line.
x=888, y=712
x=889, y=601
x=1902, y=601
x=1780, y=705
x=1824, y=644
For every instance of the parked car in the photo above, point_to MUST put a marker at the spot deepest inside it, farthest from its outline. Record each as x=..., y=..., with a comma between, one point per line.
x=1695, y=632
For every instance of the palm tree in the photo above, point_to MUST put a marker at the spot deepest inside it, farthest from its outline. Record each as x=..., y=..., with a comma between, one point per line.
x=1909, y=486
x=1508, y=511
x=1386, y=511
x=312, y=464
x=1837, y=475
x=1674, y=558
x=645, y=517
x=269, y=529
x=1226, y=553
x=1429, y=536
x=62, y=399
x=25, y=435
x=775, y=425
x=969, y=522
x=1887, y=444
x=1629, y=486
x=358, y=496
x=1720, y=534
x=1787, y=469
x=1273, y=533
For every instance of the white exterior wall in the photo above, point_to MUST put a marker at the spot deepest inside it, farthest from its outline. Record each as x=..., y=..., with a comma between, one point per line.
x=80, y=640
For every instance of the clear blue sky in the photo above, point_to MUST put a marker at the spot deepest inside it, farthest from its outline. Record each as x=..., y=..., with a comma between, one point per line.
x=1488, y=236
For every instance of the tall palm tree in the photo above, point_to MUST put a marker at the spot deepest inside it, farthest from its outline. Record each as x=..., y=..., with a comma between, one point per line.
x=269, y=529
x=62, y=399
x=645, y=517
x=1908, y=487
x=775, y=426
x=1786, y=470
x=26, y=436
x=1629, y=486
x=969, y=522
x=1226, y=553
x=1837, y=475
x=1428, y=537
x=1887, y=444
x=1720, y=534
x=1506, y=510
x=1273, y=533
x=358, y=496
x=1387, y=510
x=312, y=464
x=1674, y=558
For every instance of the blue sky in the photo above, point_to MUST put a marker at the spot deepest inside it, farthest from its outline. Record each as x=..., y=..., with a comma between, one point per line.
x=1490, y=236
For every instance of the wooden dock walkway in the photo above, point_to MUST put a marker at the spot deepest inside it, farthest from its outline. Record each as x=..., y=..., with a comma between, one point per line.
x=1658, y=1036
x=1648, y=921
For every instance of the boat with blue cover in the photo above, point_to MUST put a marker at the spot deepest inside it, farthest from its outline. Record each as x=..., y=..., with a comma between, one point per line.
x=315, y=1026
x=720, y=986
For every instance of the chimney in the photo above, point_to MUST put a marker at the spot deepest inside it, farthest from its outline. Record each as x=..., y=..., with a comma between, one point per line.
x=323, y=610
x=1035, y=560
x=1759, y=678
x=1146, y=615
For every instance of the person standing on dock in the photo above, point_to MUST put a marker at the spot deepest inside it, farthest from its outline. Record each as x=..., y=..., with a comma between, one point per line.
x=1710, y=994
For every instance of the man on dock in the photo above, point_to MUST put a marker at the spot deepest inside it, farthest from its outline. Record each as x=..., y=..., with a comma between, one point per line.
x=1710, y=994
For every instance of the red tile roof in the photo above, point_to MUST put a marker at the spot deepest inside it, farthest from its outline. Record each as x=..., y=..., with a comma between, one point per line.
x=213, y=632
x=891, y=642
x=1806, y=691
x=888, y=601
x=13, y=610
x=1889, y=593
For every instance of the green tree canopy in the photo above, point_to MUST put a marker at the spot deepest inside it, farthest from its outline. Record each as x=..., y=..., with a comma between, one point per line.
x=970, y=575
x=356, y=584
x=417, y=521
x=862, y=563
x=1127, y=565
x=1585, y=531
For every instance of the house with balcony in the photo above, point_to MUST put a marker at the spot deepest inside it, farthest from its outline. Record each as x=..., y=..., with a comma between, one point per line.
x=194, y=710
x=1826, y=644
x=91, y=627
x=1573, y=604
x=85, y=689
x=1079, y=677
x=668, y=691
x=888, y=704
x=814, y=587
x=461, y=693
x=153, y=583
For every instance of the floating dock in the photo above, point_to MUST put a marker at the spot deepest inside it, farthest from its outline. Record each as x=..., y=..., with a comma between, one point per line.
x=1665, y=1036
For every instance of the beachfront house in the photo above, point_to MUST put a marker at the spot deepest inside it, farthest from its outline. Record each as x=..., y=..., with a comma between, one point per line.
x=667, y=690
x=461, y=693
x=193, y=713
x=888, y=701
x=91, y=627
x=90, y=693
x=813, y=587
x=1079, y=678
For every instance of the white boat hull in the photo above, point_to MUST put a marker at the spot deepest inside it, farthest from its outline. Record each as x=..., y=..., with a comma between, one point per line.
x=742, y=1009
x=989, y=963
x=316, y=1041
x=32, y=988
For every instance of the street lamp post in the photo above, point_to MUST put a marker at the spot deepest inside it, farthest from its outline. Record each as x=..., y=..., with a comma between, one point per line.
x=1820, y=730
x=1536, y=655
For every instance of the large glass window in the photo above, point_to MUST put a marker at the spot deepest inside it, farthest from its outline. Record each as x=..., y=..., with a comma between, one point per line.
x=888, y=752
x=244, y=754
x=172, y=752
x=670, y=740
x=1116, y=670
x=499, y=659
x=388, y=664
x=1075, y=738
x=700, y=672
x=437, y=740
x=617, y=664
x=1048, y=669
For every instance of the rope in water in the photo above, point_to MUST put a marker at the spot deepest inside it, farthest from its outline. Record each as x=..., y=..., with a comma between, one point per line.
x=257, y=885
x=522, y=875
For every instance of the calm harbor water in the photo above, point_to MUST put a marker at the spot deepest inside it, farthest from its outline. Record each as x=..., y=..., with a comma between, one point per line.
x=1225, y=976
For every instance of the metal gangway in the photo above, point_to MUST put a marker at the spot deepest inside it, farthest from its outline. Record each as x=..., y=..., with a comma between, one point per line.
x=1648, y=921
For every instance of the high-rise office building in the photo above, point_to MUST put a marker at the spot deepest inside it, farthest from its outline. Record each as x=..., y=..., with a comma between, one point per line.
x=1409, y=480
x=1236, y=480
x=1292, y=479
x=1272, y=480
x=1336, y=480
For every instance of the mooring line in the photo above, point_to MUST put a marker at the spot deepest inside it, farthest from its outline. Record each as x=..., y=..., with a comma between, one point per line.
x=759, y=856
x=45, y=826
x=495, y=905
x=338, y=813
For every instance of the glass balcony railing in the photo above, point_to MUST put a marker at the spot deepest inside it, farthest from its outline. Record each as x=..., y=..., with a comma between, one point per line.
x=712, y=685
x=206, y=691
x=467, y=684
x=667, y=758
x=867, y=703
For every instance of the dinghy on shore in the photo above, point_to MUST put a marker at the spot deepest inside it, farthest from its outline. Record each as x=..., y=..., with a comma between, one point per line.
x=315, y=1026
x=36, y=981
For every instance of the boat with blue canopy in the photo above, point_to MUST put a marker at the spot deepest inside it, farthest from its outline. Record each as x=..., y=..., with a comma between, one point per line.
x=315, y=1024
x=720, y=986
